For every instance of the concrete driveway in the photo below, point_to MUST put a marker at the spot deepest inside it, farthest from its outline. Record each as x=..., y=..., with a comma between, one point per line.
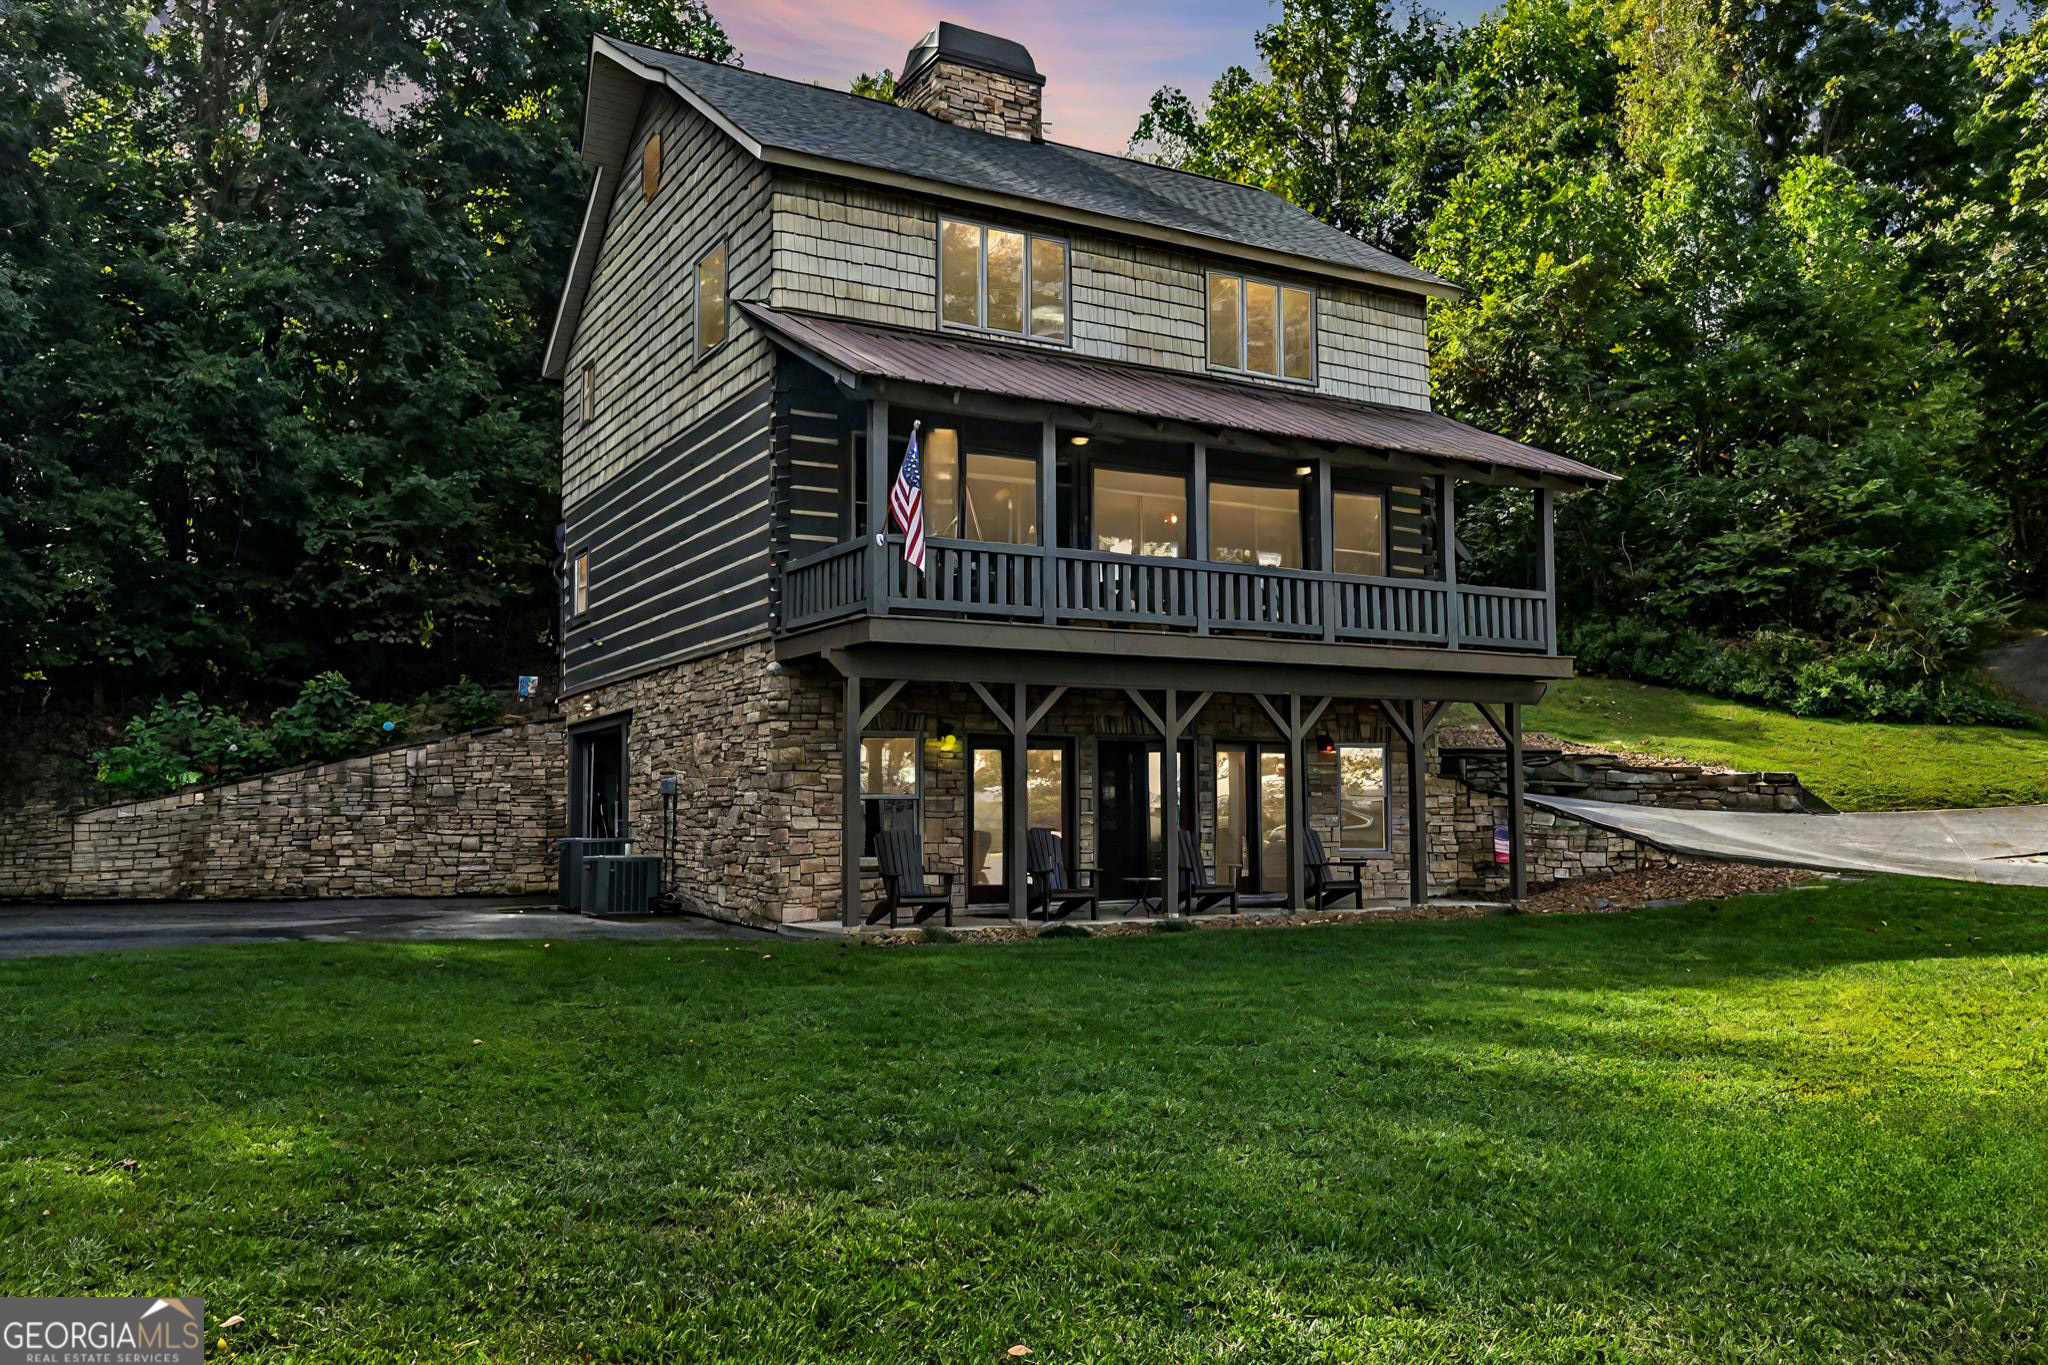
x=37, y=930
x=2005, y=844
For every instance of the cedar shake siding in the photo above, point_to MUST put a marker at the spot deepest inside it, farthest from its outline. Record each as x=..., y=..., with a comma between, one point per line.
x=856, y=252
x=679, y=550
x=636, y=325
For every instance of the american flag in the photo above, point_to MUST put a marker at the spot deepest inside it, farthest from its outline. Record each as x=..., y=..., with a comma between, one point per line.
x=906, y=500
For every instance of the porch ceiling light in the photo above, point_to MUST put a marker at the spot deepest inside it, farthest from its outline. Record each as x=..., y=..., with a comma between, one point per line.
x=1077, y=440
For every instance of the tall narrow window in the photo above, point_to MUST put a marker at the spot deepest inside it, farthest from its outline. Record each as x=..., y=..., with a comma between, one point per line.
x=711, y=299
x=1002, y=280
x=580, y=589
x=1257, y=524
x=1261, y=327
x=650, y=167
x=1362, y=797
x=588, y=403
x=1361, y=539
x=889, y=772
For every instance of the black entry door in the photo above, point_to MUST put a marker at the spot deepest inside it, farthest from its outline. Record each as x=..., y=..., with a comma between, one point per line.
x=597, y=782
x=1129, y=811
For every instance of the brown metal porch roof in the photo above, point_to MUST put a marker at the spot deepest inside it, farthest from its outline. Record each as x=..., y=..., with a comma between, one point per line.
x=945, y=361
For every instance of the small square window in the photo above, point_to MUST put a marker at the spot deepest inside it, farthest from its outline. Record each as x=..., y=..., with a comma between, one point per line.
x=711, y=303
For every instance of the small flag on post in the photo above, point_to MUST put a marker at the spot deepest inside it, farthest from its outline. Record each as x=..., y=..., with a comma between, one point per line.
x=906, y=501
x=1500, y=845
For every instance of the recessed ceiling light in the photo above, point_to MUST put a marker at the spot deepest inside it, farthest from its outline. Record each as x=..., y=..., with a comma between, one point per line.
x=1077, y=440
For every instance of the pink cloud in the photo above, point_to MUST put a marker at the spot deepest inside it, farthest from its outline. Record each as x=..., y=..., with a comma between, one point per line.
x=1100, y=69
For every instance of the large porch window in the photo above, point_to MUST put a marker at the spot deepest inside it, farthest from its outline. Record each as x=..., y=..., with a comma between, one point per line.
x=1255, y=524
x=1137, y=512
x=980, y=478
x=1360, y=524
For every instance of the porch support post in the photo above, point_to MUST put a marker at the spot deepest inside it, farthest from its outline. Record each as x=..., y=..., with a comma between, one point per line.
x=878, y=506
x=1048, y=522
x=1016, y=866
x=1546, y=562
x=1297, y=806
x=1169, y=824
x=1198, y=531
x=1326, y=535
x=1518, y=873
x=1418, y=809
x=1447, y=515
x=849, y=808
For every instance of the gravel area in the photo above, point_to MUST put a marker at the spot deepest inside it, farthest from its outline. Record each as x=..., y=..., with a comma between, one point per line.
x=1651, y=885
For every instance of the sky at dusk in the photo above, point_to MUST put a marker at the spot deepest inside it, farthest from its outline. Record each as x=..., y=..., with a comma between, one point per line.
x=1101, y=62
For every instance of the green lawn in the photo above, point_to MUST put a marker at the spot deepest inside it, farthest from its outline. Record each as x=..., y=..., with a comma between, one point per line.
x=1812, y=1126
x=1856, y=765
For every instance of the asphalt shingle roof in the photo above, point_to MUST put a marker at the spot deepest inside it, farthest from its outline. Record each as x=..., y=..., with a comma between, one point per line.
x=838, y=126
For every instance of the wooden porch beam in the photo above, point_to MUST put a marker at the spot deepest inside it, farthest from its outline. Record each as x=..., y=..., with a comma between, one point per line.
x=881, y=703
x=995, y=708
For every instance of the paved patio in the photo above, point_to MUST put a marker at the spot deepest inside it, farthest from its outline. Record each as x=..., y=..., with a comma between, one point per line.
x=2003, y=844
x=39, y=930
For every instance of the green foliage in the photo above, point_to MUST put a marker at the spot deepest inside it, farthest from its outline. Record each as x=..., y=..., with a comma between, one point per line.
x=273, y=286
x=1064, y=929
x=1796, y=1128
x=464, y=705
x=1781, y=268
x=876, y=85
x=178, y=743
x=327, y=720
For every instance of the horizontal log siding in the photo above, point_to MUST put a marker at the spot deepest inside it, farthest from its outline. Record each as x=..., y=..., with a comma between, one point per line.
x=679, y=549
x=853, y=252
x=637, y=324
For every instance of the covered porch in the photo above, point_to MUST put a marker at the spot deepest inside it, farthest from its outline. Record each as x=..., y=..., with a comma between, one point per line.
x=1154, y=774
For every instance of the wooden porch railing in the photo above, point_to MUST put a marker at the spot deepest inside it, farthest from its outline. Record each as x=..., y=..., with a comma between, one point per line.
x=970, y=579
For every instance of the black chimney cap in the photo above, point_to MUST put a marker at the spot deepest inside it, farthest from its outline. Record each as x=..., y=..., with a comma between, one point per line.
x=971, y=47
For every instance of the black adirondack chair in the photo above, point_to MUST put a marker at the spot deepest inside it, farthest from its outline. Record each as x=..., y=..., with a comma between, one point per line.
x=899, y=856
x=1327, y=883
x=1199, y=889
x=1057, y=890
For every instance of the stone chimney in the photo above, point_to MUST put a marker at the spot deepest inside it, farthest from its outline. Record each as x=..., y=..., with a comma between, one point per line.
x=976, y=80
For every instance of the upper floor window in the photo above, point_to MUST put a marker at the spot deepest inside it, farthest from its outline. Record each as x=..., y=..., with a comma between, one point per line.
x=579, y=594
x=650, y=167
x=588, y=404
x=711, y=299
x=1000, y=280
x=1261, y=327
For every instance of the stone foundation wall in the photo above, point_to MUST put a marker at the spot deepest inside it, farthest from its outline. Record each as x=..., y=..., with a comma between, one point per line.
x=755, y=750
x=475, y=814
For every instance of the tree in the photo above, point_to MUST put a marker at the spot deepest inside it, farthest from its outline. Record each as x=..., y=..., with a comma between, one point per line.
x=269, y=347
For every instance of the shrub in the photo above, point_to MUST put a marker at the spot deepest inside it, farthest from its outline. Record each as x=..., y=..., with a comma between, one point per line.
x=327, y=720
x=1064, y=930
x=177, y=744
x=1898, y=678
x=464, y=705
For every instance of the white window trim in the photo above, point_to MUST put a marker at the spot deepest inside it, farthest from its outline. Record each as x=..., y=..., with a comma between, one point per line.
x=579, y=585
x=1386, y=797
x=981, y=328
x=697, y=347
x=1315, y=346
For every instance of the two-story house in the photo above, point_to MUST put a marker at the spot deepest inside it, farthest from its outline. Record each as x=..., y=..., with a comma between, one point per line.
x=1189, y=520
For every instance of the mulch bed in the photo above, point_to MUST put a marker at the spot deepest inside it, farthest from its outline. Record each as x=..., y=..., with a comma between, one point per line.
x=1657, y=885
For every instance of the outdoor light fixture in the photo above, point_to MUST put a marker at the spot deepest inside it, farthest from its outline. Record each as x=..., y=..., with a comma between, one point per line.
x=1077, y=440
x=1325, y=745
x=1302, y=471
x=949, y=739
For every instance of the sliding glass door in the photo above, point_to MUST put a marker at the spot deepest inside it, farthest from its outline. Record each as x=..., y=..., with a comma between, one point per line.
x=1251, y=816
x=1048, y=801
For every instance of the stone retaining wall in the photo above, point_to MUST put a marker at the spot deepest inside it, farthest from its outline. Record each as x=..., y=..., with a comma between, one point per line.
x=1608, y=777
x=474, y=814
